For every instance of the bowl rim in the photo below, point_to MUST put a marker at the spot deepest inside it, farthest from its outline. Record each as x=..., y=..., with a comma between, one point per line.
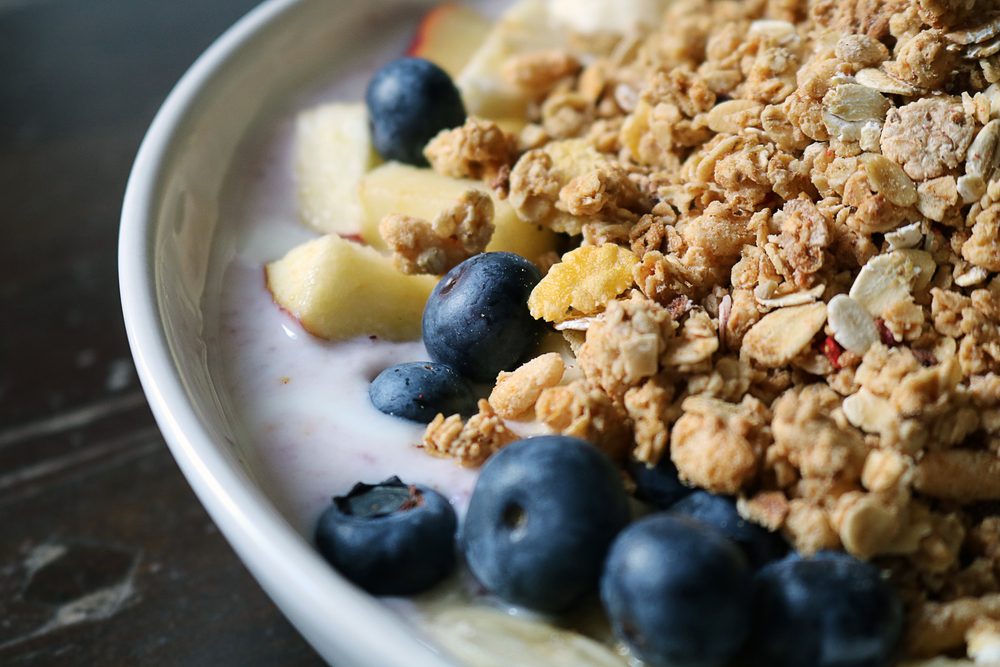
x=332, y=614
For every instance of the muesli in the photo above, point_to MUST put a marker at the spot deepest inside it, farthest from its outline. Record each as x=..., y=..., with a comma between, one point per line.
x=768, y=235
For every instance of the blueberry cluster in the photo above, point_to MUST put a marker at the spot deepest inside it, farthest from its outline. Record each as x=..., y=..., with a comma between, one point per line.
x=476, y=324
x=548, y=525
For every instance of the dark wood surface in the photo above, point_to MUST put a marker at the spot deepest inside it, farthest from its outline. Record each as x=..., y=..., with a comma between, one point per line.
x=106, y=556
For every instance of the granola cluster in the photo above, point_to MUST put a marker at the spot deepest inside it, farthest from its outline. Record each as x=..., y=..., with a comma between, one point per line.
x=457, y=233
x=789, y=214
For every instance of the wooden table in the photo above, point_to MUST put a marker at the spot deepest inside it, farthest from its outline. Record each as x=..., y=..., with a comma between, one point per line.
x=106, y=556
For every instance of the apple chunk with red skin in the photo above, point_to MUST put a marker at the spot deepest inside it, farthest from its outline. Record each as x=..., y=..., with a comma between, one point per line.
x=448, y=35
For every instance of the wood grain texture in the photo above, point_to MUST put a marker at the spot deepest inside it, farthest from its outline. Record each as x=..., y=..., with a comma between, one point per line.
x=106, y=556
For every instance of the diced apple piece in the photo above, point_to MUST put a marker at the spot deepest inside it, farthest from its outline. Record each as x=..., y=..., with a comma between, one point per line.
x=448, y=36
x=332, y=152
x=423, y=193
x=339, y=290
x=524, y=28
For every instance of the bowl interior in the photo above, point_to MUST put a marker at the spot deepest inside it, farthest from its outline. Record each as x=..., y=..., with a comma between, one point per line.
x=178, y=235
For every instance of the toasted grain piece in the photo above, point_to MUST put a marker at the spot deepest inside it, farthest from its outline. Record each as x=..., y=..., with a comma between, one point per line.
x=515, y=393
x=781, y=334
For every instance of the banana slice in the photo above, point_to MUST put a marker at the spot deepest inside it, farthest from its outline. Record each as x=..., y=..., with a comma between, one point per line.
x=480, y=637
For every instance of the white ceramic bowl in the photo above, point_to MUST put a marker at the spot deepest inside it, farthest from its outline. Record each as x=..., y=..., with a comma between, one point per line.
x=168, y=221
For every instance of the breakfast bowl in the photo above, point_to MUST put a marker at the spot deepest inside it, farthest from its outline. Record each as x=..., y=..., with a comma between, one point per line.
x=732, y=280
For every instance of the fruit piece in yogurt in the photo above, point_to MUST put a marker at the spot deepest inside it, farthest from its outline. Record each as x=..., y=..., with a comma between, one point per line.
x=409, y=101
x=332, y=152
x=340, y=290
x=678, y=593
x=541, y=519
x=422, y=193
x=477, y=319
x=389, y=538
x=486, y=637
x=448, y=35
x=419, y=390
x=525, y=28
x=607, y=16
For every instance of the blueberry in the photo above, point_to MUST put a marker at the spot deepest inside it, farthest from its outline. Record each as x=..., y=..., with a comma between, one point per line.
x=677, y=593
x=420, y=390
x=541, y=518
x=659, y=486
x=827, y=611
x=389, y=538
x=409, y=101
x=476, y=319
x=760, y=546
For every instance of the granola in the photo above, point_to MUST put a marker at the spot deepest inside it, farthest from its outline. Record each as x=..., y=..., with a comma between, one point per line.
x=470, y=442
x=456, y=233
x=781, y=272
x=515, y=393
x=479, y=149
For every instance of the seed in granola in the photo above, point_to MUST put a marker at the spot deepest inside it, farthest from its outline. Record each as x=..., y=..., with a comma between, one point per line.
x=970, y=188
x=877, y=79
x=848, y=106
x=832, y=351
x=884, y=281
x=907, y=236
x=983, y=156
x=732, y=116
x=978, y=34
x=888, y=178
x=861, y=50
x=971, y=275
x=582, y=283
x=984, y=50
x=852, y=325
x=781, y=334
x=923, y=264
